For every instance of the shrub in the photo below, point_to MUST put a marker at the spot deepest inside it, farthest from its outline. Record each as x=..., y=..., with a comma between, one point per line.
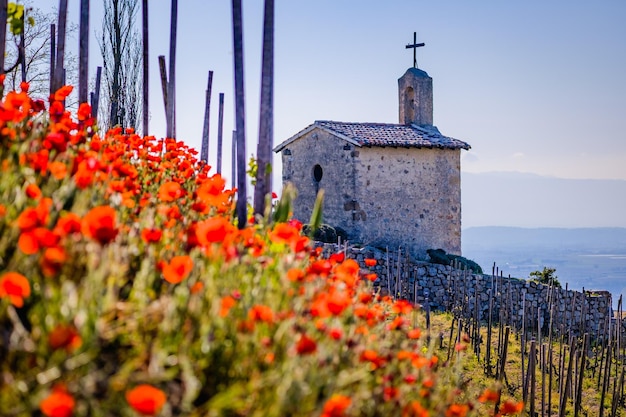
x=439, y=256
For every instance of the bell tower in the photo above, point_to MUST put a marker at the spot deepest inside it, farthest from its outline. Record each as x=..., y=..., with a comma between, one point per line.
x=415, y=93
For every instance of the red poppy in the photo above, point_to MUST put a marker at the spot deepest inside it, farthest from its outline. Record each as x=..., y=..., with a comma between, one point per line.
x=457, y=410
x=370, y=262
x=15, y=286
x=336, y=406
x=69, y=223
x=84, y=112
x=177, y=269
x=335, y=333
x=306, y=345
x=226, y=304
x=511, y=407
x=33, y=191
x=170, y=191
x=284, y=233
x=260, y=312
x=212, y=230
x=64, y=337
x=151, y=235
x=52, y=261
x=57, y=169
x=146, y=399
x=100, y=224
x=63, y=92
x=58, y=404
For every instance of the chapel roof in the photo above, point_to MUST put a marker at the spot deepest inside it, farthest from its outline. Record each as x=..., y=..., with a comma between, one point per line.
x=383, y=135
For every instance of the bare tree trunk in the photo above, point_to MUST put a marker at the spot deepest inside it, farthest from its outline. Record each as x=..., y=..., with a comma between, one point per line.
x=60, y=53
x=146, y=68
x=171, y=90
x=83, y=54
x=3, y=32
x=204, y=150
x=266, y=124
x=220, y=128
x=240, y=117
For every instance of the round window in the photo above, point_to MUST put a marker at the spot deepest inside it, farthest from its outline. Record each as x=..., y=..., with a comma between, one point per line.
x=317, y=173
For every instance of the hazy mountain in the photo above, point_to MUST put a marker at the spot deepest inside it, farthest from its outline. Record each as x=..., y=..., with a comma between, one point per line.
x=528, y=200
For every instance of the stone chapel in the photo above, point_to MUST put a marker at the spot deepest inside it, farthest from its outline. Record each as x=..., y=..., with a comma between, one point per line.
x=386, y=185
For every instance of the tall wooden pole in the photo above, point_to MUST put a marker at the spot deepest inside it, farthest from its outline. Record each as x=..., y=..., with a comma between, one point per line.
x=145, y=110
x=240, y=117
x=171, y=84
x=163, y=72
x=233, y=181
x=220, y=128
x=266, y=124
x=83, y=53
x=53, y=54
x=204, y=150
x=3, y=32
x=95, y=102
x=60, y=52
x=22, y=55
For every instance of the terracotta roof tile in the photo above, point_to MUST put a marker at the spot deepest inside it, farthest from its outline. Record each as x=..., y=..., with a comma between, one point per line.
x=382, y=135
x=396, y=135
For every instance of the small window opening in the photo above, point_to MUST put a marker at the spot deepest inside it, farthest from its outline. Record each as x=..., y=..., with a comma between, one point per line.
x=317, y=173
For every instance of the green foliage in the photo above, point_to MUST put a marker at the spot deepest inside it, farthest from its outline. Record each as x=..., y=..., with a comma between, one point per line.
x=439, y=256
x=316, y=215
x=324, y=233
x=15, y=18
x=546, y=276
x=253, y=167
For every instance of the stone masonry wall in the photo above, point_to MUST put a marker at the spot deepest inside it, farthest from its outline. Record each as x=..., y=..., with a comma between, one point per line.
x=411, y=197
x=512, y=299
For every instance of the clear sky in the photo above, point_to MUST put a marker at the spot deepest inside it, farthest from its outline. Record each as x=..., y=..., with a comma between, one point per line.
x=533, y=86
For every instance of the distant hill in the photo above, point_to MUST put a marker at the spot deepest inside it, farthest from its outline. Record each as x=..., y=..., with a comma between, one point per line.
x=593, y=258
x=529, y=200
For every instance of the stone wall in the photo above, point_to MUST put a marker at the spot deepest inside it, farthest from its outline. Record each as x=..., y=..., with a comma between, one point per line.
x=515, y=301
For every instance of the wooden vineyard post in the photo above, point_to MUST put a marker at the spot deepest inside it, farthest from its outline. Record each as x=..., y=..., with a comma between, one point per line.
x=3, y=32
x=171, y=82
x=204, y=150
x=53, y=52
x=234, y=159
x=95, y=96
x=83, y=54
x=532, y=359
x=60, y=52
x=164, y=88
x=568, y=379
x=220, y=129
x=502, y=363
x=263, y=186
x=581, y=372
x=240, y=117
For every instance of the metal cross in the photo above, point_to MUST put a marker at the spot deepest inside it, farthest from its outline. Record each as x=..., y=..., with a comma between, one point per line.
x=415, y=45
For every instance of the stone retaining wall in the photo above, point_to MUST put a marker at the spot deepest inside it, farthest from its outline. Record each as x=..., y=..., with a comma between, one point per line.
x=515, y=301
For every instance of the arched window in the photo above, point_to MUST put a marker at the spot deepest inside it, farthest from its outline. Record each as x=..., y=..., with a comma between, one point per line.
x=317, y=173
